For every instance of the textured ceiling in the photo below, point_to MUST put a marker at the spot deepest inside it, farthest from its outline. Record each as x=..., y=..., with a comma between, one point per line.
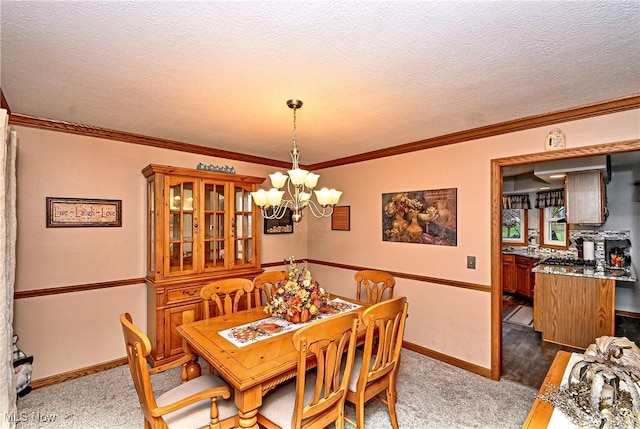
x=371, y=74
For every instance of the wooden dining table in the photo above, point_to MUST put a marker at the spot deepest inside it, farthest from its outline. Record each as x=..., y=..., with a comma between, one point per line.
x=251, y=370
x=540, y=413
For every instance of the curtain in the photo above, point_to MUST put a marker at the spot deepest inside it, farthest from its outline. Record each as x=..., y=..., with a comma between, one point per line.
x=516, y=201
x=8, y=223
x=550, y=199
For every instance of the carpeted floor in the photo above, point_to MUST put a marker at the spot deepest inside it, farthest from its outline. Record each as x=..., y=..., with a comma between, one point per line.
x=431, y=394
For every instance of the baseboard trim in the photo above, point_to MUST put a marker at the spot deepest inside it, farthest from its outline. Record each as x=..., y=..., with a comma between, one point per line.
x=467, y=366
x=628, y=314
x=55, y=379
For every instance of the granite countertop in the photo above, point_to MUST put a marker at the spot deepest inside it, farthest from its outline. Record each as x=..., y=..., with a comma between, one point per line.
x=524, y=251
x=626, y=275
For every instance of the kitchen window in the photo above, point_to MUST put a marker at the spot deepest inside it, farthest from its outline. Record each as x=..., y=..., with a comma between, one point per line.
x=554, y=229
x=514, y=227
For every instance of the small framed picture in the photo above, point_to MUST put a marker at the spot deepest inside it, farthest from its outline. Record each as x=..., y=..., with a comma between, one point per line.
x=341, y=218
x=279, y=226
x=83, y=212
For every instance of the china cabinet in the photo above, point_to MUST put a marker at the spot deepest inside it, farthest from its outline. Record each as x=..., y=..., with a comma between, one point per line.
x=201, y=226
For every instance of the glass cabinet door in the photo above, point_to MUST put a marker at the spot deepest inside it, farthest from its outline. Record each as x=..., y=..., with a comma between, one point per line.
x=183, y=226
x=242, y=227
x=151, y=227
x=214, y=207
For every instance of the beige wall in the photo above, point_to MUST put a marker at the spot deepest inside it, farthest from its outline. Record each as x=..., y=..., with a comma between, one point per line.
x=71, y=331
x=449, y=320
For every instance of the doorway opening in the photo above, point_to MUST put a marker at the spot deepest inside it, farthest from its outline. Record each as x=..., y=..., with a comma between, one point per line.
x=497, y=170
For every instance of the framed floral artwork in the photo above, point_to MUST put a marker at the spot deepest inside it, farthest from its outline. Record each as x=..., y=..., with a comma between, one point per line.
x=424, y=217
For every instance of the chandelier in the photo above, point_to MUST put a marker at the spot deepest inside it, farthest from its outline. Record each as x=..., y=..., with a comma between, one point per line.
x=300, y=183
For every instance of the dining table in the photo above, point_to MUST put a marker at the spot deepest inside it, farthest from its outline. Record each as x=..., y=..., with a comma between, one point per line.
x=251, y=370
x=540, y=415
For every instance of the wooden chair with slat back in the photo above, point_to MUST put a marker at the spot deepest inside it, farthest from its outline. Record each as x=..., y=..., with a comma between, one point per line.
x=376, y=367
x=373, y=286
x=200, y=402
x=227, y=296
x=317, y=396
x=265, y=285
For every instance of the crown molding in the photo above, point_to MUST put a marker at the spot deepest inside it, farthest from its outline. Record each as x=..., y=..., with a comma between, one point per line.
x=89, y=131
x=597, y=109
x=592, y=110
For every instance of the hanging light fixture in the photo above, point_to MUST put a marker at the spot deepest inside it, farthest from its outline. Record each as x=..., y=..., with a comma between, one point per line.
x=300, y=183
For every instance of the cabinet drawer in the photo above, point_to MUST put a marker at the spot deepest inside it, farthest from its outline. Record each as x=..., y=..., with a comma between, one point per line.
x=183, y=294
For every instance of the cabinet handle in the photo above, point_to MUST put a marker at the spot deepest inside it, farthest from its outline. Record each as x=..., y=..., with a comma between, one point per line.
x=186, y=292
x=195, y=224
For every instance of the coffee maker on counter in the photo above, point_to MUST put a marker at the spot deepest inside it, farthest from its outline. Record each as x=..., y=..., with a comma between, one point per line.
x=616, y=253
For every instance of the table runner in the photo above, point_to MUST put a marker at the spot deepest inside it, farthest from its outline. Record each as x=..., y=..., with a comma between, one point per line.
x=250, y=333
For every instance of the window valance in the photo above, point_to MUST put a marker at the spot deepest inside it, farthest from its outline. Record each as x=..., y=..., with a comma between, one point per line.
x=516, y=201
x=550, y=199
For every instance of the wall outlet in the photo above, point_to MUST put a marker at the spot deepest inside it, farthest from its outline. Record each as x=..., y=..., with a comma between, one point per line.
x=471, y=262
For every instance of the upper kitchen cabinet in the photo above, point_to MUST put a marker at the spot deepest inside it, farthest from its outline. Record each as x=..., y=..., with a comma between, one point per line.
x=585, y=198
x=200, y=224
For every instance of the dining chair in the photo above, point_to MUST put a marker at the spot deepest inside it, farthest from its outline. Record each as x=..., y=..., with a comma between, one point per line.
x=227, y=296
x=375, y=369
x=374, y=285
x=316, y=397
x=265, y=285
x=201, y=402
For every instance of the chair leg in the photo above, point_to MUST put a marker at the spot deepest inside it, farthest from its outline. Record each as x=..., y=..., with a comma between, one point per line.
x=391, y=404
x=339, y=423
x=360, y=413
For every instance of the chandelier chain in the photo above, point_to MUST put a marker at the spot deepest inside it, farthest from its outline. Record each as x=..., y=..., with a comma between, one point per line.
x=299, y=186
x=295, y=155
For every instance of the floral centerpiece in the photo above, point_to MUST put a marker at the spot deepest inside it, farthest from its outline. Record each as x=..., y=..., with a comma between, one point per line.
x=298, y=298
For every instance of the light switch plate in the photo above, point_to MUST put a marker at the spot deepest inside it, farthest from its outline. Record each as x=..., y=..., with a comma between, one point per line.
x=471, y=262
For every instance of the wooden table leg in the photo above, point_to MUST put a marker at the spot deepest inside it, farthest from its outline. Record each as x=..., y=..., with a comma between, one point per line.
x=190, y=369
x=248, y=402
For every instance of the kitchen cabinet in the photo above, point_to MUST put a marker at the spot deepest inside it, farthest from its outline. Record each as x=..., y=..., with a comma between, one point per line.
x=201, y=226
x=508, y=273
x=525, y=279
x=573, y=310
x=517, y=276
x=585, y=198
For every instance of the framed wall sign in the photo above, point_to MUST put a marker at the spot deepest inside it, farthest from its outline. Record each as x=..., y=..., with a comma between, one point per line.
x=279, y=226
x=83, y=212
x=340, y=219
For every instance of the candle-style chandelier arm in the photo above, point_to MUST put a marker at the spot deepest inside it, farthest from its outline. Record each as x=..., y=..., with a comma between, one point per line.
x=320, y=211
x=300, y=188
x=275, y=212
